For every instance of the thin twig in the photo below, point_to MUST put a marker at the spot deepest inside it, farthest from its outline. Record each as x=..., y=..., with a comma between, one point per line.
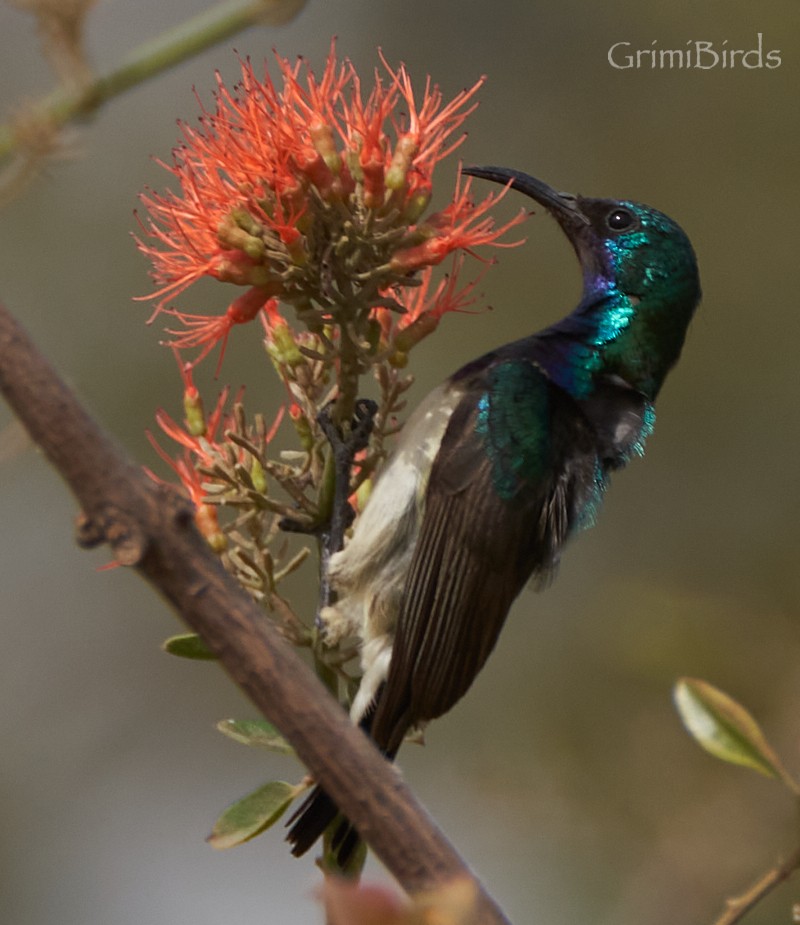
x=737, y=907
x=208, y=28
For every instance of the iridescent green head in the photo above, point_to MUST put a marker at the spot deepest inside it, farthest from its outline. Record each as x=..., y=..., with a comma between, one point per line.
x=631, y=247
x=641, y=283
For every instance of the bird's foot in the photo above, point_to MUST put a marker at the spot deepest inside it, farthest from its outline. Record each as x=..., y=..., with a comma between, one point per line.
x=335, y=625
x=345, y=448
x=344, y=451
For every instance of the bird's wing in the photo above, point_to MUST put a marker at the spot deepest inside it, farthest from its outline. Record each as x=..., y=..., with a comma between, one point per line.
x=508, y=483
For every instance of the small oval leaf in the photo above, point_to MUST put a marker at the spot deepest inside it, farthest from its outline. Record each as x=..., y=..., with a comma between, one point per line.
x=254, y=813
x=255, y=732
x=188, y=645
x=725, y=729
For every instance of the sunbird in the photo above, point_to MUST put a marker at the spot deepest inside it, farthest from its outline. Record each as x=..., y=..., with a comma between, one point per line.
x=497, y=468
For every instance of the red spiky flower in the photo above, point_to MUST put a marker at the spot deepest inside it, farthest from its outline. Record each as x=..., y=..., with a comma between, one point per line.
x=202, y=442
x=311, y=192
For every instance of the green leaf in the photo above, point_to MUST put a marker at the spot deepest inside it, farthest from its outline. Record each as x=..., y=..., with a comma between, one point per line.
x=725, y=729
x=256, y=732
x=188, y=645
x=254, y=813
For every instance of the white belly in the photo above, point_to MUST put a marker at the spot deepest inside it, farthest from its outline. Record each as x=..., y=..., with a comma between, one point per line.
x=369, y=573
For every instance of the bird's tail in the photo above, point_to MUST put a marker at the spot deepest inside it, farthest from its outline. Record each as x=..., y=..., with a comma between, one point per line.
x=318, y=811
x=312, y=819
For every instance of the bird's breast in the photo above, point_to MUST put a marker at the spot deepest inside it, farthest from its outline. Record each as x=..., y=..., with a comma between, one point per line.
x=369, y=573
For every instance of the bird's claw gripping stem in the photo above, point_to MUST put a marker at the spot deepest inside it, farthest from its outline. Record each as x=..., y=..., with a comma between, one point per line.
x=344, y=449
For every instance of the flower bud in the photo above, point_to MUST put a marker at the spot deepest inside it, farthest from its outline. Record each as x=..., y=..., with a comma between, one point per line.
x=323, y=140
x=194, y=413
x=207, y=522
x=302, y=426
x=396, y=175
x=258, y=477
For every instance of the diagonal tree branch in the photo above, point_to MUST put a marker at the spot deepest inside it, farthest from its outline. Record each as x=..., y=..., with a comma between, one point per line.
x=151, y=528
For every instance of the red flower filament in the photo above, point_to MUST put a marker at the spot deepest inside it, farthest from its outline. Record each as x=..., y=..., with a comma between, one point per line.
x=311, y=193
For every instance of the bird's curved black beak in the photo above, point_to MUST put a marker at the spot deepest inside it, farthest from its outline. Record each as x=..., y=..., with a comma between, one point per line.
x=563, y=207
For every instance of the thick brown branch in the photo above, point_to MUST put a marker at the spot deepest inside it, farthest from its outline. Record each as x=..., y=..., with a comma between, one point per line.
x=152, y=529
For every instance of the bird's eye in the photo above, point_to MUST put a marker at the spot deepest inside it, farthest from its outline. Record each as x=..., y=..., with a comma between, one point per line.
x=620, y=219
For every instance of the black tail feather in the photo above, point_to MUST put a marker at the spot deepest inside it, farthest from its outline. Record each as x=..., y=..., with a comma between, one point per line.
x=309, y=822
x=318, y=811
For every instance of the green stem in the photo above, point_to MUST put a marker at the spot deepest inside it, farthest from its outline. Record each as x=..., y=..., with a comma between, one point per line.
x=348, y=380
x=191, y=37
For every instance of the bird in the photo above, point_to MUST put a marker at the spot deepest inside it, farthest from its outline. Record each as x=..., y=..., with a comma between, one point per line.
x=496, y=469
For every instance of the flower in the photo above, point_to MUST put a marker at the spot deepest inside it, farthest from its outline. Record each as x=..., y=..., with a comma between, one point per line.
x=312, y=192
x=203, y=446
x=422, y=311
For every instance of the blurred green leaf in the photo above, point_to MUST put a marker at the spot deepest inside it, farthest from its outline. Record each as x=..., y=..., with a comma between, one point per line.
x=256, y=732
x=355, y=863
x=188, y=645
x=254, y=813
x=725, y=729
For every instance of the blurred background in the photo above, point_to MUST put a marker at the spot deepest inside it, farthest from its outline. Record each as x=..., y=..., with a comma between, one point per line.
x=564, y=777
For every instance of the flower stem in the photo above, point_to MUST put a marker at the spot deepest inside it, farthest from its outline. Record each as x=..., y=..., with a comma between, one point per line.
x=209, y=28
x=348, y=378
